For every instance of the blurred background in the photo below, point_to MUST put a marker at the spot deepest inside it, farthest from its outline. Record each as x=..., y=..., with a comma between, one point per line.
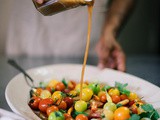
x=140, y=35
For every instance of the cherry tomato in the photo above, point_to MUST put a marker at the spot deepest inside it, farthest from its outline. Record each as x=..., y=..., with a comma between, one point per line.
x=110, y=106
x=62, y=105
x=81, y=117
x=38, y=91
x=57, y=115
x=103, y=98
x=101, y=93
x=52, y=83
x=45, y=94
x=51, y=90
x=87, y=94
x=57, y=96
x=113, y=91
x=132, y=96
x=134, y=109
x=115, y=98
x=94, y=87
x=44, y=104
x=122, y=113
x=73, y=93
x=80, y=106
x=53, y=108
x=69, y=101
x=67, y=116
x=123, y=97
x=60, y=86
x=34, y=102
x=77, y=88
x=109, y=115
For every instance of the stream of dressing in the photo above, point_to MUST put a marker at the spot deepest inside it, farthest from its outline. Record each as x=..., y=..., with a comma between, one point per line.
x=90, y=9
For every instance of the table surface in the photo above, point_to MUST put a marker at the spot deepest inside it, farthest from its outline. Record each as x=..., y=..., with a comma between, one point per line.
x=143, y=66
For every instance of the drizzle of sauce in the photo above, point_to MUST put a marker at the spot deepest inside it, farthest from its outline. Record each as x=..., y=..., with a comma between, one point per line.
x=90, y=9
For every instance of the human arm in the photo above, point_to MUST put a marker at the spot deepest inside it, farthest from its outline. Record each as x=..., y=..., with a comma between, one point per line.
x=110, y=53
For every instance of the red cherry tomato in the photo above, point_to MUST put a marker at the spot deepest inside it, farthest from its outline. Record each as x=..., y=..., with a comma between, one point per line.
x=116, y=98
x=53, y=108
x=81, y=117
x=69, y=101
x=44, y=104
x=123, y=97
x=60, y=86
x=34, y=102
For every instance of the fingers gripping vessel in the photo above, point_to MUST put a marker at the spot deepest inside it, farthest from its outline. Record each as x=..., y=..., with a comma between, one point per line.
x=51, y=7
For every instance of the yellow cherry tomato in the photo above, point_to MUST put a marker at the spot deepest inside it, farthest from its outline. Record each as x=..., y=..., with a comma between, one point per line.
x=57, y=96
x=132, y=96
x=52, y=83
x=87, y=94
x=78, y=87
x=80, y=106
x=113, y=91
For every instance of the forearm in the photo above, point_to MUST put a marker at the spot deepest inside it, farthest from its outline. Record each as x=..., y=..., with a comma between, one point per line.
x=116, y=14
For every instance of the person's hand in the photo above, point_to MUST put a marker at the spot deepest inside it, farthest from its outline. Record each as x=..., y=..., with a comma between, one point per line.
x=39, y=1
x=110, y=53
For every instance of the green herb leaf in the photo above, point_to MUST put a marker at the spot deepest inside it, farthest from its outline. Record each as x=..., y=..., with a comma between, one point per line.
x=134, y=117
x=64, y=82
x=105, y=88
x=147, y=107
x=42, y=84
x=122, y=88
x=155, y=116
x=119, y=105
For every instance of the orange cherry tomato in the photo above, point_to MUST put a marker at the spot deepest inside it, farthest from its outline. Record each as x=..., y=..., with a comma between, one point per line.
x=53, y=108
x=44, y=104
x=123, y=97
x=81, y=117
x=122, y=113
x=67, y=116
x=103, y=98
x=62, y=105
x=116, y=98
x=60, y=86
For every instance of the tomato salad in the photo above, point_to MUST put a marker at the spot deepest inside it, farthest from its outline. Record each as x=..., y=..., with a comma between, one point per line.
x=59, y=100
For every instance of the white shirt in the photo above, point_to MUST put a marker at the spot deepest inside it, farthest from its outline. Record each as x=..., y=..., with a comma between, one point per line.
x=64, y=34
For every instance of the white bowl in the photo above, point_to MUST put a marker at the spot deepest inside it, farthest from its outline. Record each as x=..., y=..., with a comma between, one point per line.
x=17, y=90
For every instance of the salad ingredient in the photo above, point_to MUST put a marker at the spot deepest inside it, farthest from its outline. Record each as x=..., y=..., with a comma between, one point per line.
x=45, y=94
x=81, y=117
x=94, y=87
x=80, y=106
x=51, y=109
x=122, y=113
x=60, y=86
x=57, y=115
x=34, y=102
x=86, y=94
x=45, y=103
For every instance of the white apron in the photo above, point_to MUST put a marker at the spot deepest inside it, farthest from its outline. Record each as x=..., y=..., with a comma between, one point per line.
x=32, y=34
